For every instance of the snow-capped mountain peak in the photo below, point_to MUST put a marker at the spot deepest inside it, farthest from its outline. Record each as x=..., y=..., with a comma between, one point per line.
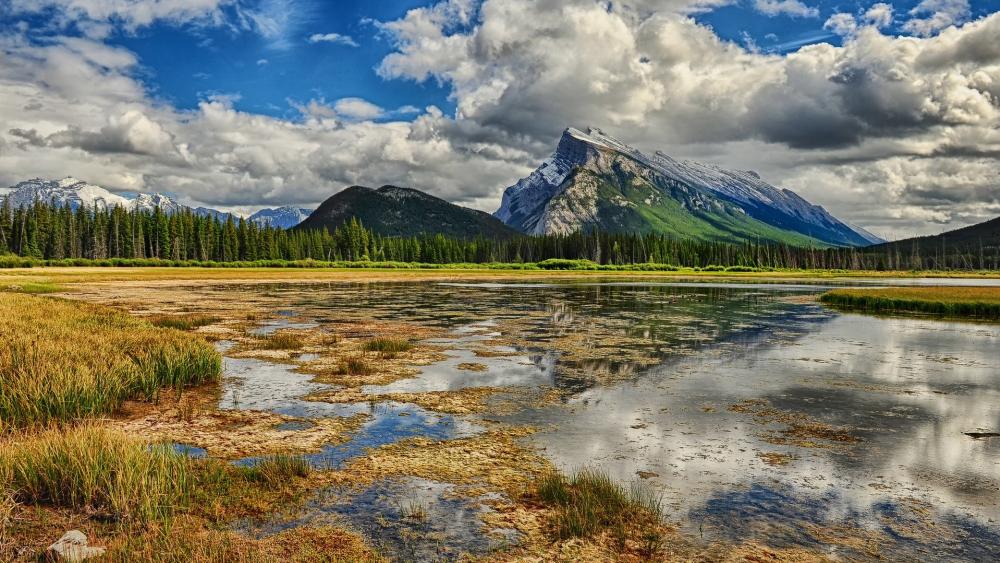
x=525, y=204
x=282, y=217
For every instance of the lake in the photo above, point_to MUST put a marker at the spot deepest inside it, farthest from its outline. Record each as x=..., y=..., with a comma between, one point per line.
x=755, y=412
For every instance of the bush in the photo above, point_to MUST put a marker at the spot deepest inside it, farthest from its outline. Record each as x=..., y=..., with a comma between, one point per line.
x=563, y=264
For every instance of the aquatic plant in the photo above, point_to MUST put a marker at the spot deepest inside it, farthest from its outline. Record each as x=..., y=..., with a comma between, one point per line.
x=96, y=468
x=279, y=341
x=960, y=302
x=278, y=468
x=590, y=502
x=64, y=360
x=355, y=365
x=387, y=346
x=182, y=322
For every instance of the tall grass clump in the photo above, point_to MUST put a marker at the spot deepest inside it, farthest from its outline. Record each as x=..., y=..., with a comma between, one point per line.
x=590, y=503
x=277, y=469
x=97, y=468
x=982, y=303
x=280, y=341
x=62, y=360
x=387, y=346
x=182, y=322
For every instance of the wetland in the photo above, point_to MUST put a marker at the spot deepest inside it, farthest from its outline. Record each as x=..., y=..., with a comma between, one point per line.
x=754, y=422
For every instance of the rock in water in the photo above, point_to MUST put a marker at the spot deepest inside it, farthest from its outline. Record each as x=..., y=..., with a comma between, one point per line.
x=72, y=547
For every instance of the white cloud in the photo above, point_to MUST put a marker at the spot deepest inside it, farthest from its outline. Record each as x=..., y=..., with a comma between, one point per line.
x=880, y=15
x=131, y=14
x=262, y=62
x=792, y=8
x=335, y=38
x=937, y=15
x=888, y=132
x=842, y=24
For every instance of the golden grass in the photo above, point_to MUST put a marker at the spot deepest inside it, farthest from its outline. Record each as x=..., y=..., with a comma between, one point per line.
x=74, y=275
x=182, y=322
x=279, y=341
x=960, y=302
x=62, y=360
x=95, y=468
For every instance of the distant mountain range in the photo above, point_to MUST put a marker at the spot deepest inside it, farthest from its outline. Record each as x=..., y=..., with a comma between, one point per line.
x=596, y=182
x=74, y=193
x=395, y=211
x=975, y=246
x=591, y=182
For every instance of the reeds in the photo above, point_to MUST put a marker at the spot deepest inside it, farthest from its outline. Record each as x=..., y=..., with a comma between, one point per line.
x=62, y=360
x=355, y=365
x=182, y=322
x=387, y=347
x=280, y=341
x=982, y=303
x=97, y=468
x=590, y=502
x=277, y=469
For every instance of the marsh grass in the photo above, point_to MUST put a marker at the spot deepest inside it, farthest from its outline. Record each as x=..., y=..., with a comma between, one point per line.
x=33, y=287
x=94, y=468
x=355, y=365
x=182, y=322
x=277, y=469
x=387, y=347
x=982, y=303
x=279, y=341
x=589, y=503
x=63, y=360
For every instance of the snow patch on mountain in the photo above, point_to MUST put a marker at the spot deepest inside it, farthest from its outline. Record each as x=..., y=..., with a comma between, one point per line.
x=282, y=217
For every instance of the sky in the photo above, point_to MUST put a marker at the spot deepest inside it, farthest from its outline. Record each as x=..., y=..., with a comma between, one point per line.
x=885, y=113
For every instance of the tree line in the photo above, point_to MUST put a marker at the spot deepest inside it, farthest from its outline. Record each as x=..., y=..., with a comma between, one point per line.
x=54, y=232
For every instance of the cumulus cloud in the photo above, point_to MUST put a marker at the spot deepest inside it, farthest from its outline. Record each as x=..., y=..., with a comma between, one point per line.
x=888, y=132
x=793, y=8
x=931, y=16
x=92, y=15
x=333, y=38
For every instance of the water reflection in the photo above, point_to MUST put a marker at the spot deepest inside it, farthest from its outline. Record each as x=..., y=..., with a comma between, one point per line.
x=678, y=356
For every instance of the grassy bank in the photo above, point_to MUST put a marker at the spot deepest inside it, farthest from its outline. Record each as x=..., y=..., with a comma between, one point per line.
x=981, y=303
x=63, y=360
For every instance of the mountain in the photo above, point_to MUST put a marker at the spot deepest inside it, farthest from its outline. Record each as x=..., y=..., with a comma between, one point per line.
x=976, y=246
x=75, y=193
x=395, y=211
x=594, y=181
x=282, y=217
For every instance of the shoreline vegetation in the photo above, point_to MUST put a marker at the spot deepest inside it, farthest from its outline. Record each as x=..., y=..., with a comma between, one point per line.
x=979, y=303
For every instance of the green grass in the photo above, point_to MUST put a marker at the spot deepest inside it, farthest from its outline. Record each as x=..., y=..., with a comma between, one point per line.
x=589, y=503
x=277, y=469
x=182, y=322
x=95, y=468
x=979, y=303
x=279, y=341
x=387, y=346
x=355, y=366
x=63, y=360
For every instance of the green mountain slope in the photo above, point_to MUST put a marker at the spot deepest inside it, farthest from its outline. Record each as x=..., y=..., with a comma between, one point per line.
x=395, y=211
x=620, y=196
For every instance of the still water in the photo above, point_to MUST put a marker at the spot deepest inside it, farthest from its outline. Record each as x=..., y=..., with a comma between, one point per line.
x=755, y=412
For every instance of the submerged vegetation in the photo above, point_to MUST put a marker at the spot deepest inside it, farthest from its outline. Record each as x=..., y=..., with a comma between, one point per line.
x=959, y=302
x=62, y=360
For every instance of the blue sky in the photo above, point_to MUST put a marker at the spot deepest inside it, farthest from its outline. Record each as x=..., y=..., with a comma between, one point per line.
x=243, y=104
x=267, y=72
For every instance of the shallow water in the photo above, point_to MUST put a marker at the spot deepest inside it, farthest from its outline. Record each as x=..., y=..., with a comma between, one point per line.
x=652, y=372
